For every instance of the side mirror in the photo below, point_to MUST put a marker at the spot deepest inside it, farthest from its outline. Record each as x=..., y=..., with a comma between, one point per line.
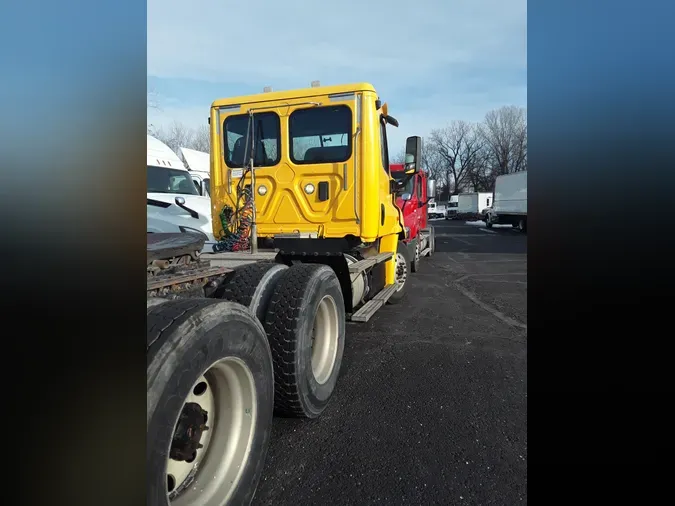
x=391, y=121
x=413, y=154
x=180, y=202
x=431, y=188
x=406, y=197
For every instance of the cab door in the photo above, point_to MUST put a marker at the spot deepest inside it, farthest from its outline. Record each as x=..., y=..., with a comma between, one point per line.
x=322, y=150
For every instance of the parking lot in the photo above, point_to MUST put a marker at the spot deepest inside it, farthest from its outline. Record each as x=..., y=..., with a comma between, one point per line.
x=431, y=405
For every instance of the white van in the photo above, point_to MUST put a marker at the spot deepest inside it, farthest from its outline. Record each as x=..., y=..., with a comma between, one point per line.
x=174, y=203
x=510, y=201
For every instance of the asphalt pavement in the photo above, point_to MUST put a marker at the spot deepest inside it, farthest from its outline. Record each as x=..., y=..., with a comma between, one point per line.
x=431, y=405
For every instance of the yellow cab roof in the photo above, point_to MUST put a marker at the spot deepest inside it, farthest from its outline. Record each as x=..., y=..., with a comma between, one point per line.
x=293, y=94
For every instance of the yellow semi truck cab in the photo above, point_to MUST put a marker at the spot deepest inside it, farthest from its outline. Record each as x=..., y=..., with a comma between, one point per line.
x=320, y=158
x=320, y=168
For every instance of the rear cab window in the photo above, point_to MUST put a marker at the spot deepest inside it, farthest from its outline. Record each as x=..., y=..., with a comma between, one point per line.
x=266, y=128
x=320, y=135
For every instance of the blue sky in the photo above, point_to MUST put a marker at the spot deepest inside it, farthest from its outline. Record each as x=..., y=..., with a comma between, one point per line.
x=433, y=61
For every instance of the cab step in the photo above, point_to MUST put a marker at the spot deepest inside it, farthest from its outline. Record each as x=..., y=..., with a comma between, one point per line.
x=364, y=264
x=370, y=308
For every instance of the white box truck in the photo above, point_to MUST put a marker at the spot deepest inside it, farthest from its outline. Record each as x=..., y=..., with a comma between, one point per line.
x=470, y=205
x=198, y=163
x=451, y=210
x=510, y=201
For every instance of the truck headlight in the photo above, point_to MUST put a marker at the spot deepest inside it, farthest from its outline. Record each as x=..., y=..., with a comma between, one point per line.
x=309, y=188
x=262, y=190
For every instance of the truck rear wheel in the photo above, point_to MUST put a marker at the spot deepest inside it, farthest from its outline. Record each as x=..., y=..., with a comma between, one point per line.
x=403, y=262
x=305, y=323
x=209, y=409
x=522, y=224
x=252, y=285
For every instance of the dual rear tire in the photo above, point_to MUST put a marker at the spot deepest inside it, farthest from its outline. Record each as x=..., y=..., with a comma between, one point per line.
x=303, y=313
x=210, y=388
x=218, y=369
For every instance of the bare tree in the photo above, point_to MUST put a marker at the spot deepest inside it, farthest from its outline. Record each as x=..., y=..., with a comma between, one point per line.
x=428, y=163
x=175, y=136
x=504, y=131
x=456, y=150
x=201, y=140
x=398, y=157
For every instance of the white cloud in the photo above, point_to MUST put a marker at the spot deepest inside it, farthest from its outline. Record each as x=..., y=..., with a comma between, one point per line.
x=397, y=46
x=298, y=40
x=434, y=112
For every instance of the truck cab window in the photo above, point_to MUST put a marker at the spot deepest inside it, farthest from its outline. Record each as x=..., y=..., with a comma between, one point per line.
x=166, y=180
x=409, y=181
x=320, y=135
x=384, y=148
x=266, y=127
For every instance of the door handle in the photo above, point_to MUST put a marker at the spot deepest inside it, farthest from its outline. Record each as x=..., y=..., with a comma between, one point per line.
x=323, y=191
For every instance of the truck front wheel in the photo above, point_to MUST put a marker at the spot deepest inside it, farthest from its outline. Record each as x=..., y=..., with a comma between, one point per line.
x=210, y=399
x=415, y=264
x=305, y=324
x=432, y=241
x=522, y=224
x=403, y=262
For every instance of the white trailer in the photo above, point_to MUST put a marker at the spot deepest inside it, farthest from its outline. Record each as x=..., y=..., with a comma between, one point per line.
x=470, y=205
x=199, y=165
x=510, y=201
x=174, y=203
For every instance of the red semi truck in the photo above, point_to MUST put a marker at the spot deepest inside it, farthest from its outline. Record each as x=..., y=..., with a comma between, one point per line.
x=413, y=194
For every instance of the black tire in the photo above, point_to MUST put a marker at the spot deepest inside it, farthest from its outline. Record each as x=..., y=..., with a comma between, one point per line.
x=252, y=286
x=432, y=241
x=289, y=324
x=488, y=222
x=522, y=225
x=155, y=301
x=399, y=295
x=415, y=262
x=185, y=338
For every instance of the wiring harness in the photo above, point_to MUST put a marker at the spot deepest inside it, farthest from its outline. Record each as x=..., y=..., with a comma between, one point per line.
x=236, y=224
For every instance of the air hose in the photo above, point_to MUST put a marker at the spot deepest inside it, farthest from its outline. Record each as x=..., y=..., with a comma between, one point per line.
x=236, y=225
